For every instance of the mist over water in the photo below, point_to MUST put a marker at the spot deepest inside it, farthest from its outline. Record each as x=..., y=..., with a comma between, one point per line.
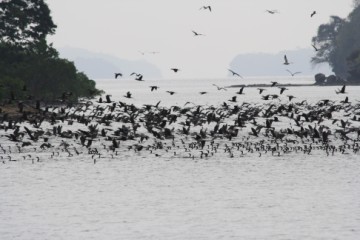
x=140, y=196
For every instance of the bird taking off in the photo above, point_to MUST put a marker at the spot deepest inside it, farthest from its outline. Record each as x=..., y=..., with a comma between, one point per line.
x=205, y=7
x=234, y=73
x=313, y=13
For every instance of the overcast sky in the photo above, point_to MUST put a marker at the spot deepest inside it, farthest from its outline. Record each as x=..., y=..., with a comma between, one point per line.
x=124, y=28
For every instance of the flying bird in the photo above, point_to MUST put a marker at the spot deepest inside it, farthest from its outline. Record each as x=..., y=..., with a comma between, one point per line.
x=128, y=95
x=171, y=92
x=273, y=84
x=292, y=74
x=220, y=88
x=139, y=77
x=286, y=62
x=206, y=7
x=272, y=11
x=117, y=75
x=235, y=73
x=313, y=13
x=175, y=69
x=154, y=88
x=282, y=89
x=197, y=34
x=261, y=90
x=315, y=48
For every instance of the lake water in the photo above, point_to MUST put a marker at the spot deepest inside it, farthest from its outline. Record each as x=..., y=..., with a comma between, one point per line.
x=141, y=196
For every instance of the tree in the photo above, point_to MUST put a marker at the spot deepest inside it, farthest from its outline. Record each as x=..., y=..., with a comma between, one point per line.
x=24, y=22
x=337, y=40
x=26, y=59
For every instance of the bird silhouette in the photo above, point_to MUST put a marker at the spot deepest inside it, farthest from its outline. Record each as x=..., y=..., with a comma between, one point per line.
x=235, y=73
x=175, y=69
x=233, y=99
x=154, y=88
x=313, y=13
x=241, y=90
x=139, y=78
x=292, y=74
x=315, y=48
x=286, y=62
x=273, y=84
x=171, y=92
x=342, y=90
x=206, y=7
x=282, y=89
x=220, y=88
x=117, y=75
x=128, y=95
x=272, y=11
x=261, y=90
x=196, y=34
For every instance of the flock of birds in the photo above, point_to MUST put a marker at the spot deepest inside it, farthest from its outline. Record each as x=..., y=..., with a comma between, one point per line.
x=107, y=129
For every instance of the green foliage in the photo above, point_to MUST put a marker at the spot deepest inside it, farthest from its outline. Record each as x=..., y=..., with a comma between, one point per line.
x=23, y=22
x=337, y=40
x=26, y=59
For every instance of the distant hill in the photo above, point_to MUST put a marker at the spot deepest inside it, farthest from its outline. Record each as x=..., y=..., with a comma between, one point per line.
x=102, y=66
x=265, y=64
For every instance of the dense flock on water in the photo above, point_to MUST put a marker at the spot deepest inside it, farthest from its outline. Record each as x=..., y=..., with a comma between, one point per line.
x=105, y=129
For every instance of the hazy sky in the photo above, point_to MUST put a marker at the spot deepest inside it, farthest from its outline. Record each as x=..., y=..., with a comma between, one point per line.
x=124, y=28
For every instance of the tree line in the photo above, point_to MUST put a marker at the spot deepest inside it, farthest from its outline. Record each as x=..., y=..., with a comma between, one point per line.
x=30, y=67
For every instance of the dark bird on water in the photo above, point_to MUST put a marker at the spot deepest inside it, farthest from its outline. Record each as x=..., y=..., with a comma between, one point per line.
x=313, y=13
x=117, y=75
x=128, y=95
x=234, y=73
x=292, y=74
